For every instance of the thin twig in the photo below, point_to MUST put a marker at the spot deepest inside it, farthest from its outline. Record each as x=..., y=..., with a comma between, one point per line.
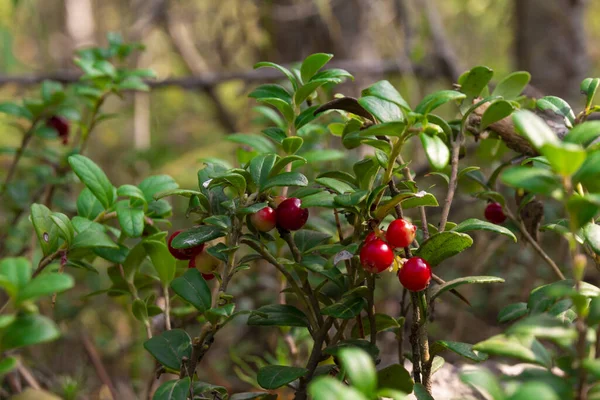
x=96, y=361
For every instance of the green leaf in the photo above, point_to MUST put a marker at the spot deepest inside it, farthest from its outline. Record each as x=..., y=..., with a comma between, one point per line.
x=44, y=285
x=421, y=199
x=231, y=179
x=443, y=245
x=307, y=89
x=394, y=128
x=588, y=173
x=591, y=232
x=163, y=261
x=292, y=144
x=156, y=184
x=253, y=140
x=88, y=206
x=16, y=271
x=582, y=209
x=170, y=347
x=176, y=192
x=512, y=85
x=323, y=155
x=276, y=376
x=133, y=192
x=384, y=90
x=278, y=315
x=421, y=393
x=462, y=349
x=269, y=91
x=383, y=322
x=437, y=99
x=192, y=287
x=362, y=344
x=557, y=106
x=534, y=129
x=348, y=307
x=589, y=86
x=94, y=179
x=332, y=74
x=498, y=110
x=46, y=230
x=360, y=370
x=286, y=179
x=328, y=388
x=7, y=364
x=260, y=168
x=305, y=117
x=436, y=151
x=283, y=107
x=64, y=225
x=532, y=179
x=91, y=238
x=312, y=64
x=383, y=110
x=16, y=110
x=524, y=348
x=544, y=326
x=306, y=239
x=475, y=81
x=139, y=310
x=382, y=211
x=512, y=312
x=565, y=158
x=583, y=134
x=196, y=236
x=531, y=390
x=438, y=290
x=396, y=377
x=474, y=224
x=130, y=218
x=281, y=69
x=177, y=389
x=337, y=186
x=484, y=381
x=281, y=164
x=27, y=330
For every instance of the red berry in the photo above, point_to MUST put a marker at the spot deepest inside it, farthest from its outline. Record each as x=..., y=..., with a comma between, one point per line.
x=61, y=125
x=372, y=236
x=208, y=277
x=376, y=256
x=290, y=215
x=415, y=274
x=494, y=213
x=183, y=254
x=264, y=220
x=400, y=233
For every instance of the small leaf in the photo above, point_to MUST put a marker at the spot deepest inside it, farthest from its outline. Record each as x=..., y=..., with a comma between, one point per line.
x=328, y=388
x=269, y=91
x=438, y=290
x=475, y=81
x=348, y=307
x=156, y=184
x=192, y=287
x=45, y=285
x=589, y=86
x=437, y=99
x=383, y=110
x=292, y=144
x=16, y=110
x=386, y=91
x=436, y=151
x=170, y=347
x=474, y=224
x=283, y=107
x=565, y=158
x=27, y=330
x=177, y=389
x=443, y=245
x=421, y=393
x=544, y=326
x=278, y=315
x=255, y=141
x=196, y=236
x=534, y=129
x=512, y=312
x=591, y=232
x=497, y=111
x=512, y=85
x=396, y=377
x=92, y=238
x=276, y=376
x=312, y=64
x=281, y=69
x=535, y=180
x=584, y=134
x=360, y=369
x=64, y=225
x=16, y=271
x=286, y=179
x=394, y=128
x=557, y=106
x=45, y=229
x=94, y=179
x=484, y=381
x=130, y=218
x=307, y=89
x=462, y=349
x=163, y=261
x=524, y=348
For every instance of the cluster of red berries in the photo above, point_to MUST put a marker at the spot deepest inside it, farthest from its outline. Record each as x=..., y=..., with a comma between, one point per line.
x=198, y=258
x=288, y=215
x=377, y=255
x=494, y=213
x=61, y=126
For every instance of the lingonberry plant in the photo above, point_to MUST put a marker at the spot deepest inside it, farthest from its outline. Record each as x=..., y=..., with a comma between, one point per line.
x=333, y=258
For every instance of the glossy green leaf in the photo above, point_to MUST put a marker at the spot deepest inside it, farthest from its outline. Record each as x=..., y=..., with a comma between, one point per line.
x=312, y=64
x=163, y=261
x=67, y=232
x=306, y=116
x=45, y=285
x=438, y=290
x=276, y=376
x=589, y=86
x=523, y=348
x=348, y=307
x=178, y=389
x=462, y=349
x=130, y=218
x=475, y=81
x=27, y=330
x=278, y=315
x=437, y=99
x=88, y=206
x=591, y=232
x=260, y=168
x=286, y=179
x=396, y=377
x=474, y=224
x=484, y=381
x=421, y=393
x=155, y=184
x=534, y=129
x=512, y=85
x=443, y=245
x=196, y=236
x=535, y=180
x=497, y=111
x=133, y=192
x=436, y=151
x=584, y=134
x=386, y=91
x=170, y=347
x=284, y=161
x=544, y=326
x=177, y=192
x=281, y=69
x=91, y=238
x=394, y=128
x=530, y=390
x=338, y=187
x=283, y=107
x=329, y=388
x=253, y=140
x=271, y=90
x=92, y=176
x=307, y=89
x=15, y=273
x=360, y=370
x=557, y=106
x=383, y=322
x=292, y=144
x=46, y=230
x=383, y=110
x=582, y=209
x=192, y=287
x=512, y=312
x=565, y=158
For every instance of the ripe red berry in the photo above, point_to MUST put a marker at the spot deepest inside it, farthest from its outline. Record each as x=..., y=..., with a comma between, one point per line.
x=61, y=125
x=264, y=220
x=400, y=233
x=183, y=254
x=290, y=215
x=376, y=256
x=494, y=213
x=415, y=274
x=208, y=277
x=372, y=236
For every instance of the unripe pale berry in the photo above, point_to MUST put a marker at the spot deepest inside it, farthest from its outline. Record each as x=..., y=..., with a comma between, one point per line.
x=183, y=254
x=264, y=220
x=290, y=215
x=400, y=233
x=376, y=256
x=494, y=213
x=415, y=274
x=204, y=262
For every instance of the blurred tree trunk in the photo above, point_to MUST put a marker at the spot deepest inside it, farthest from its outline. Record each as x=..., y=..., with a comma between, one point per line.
x=551, y=44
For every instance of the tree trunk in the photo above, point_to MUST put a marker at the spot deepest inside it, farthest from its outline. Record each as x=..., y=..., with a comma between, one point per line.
x=551, y=44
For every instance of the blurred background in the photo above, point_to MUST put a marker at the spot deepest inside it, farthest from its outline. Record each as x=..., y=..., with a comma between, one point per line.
x=203, y=52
